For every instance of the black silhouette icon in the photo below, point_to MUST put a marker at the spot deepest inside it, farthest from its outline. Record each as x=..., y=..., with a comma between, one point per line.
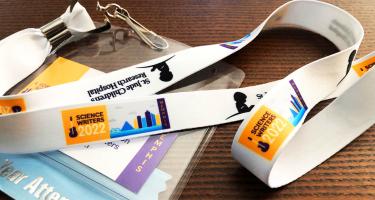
x=72, y=130
x=240, y=99
x=16, y=109
x=165, y=74
x=350, y=61
x=263, y=146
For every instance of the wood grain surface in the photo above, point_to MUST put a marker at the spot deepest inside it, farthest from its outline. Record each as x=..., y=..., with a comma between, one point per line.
x=350, y=174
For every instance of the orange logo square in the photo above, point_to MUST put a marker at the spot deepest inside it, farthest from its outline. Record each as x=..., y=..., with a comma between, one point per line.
x=363, y=67
x=12, y=106
x=265, y=132
x=86, y=124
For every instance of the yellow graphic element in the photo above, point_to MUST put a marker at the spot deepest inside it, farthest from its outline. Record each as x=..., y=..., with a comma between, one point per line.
x=158, y=120
x=135, y=124
x=86, y=124
x=265, y=133
x=362, y=67
x=12, y=106
x=59, y=72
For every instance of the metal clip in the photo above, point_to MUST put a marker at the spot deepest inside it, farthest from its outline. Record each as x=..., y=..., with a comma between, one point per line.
x=114, y=11
x=56, y=32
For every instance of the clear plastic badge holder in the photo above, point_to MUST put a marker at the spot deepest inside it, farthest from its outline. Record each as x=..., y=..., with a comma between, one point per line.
x=120, y=48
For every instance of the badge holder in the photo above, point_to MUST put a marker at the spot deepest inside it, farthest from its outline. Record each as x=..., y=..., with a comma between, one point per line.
x=116, y=49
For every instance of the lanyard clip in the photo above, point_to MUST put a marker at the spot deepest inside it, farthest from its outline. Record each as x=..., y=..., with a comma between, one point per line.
x=56, y=33
x=114, y=11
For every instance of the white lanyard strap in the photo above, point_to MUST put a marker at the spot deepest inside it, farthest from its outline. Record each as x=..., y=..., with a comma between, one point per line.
x=157, y=74
x=265, y=142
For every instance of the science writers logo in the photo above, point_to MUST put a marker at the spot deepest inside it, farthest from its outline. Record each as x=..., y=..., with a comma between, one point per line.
x=86, y=124
x=266, y=131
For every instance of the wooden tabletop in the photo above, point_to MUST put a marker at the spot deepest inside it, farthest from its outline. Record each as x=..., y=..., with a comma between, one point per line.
x=350, y=174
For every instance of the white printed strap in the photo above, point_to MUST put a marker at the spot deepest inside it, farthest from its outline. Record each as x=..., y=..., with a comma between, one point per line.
x=34, y=45
x=157, y=74
x=266, y=141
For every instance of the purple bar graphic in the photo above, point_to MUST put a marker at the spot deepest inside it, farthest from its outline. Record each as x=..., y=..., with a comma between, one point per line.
x=148, y=118
x=145, y=161
x=163, y=113
x=139, y=120
x=295, y=88
x=228, y=46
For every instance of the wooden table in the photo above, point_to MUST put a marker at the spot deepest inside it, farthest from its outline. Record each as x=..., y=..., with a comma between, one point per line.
x=350, y=174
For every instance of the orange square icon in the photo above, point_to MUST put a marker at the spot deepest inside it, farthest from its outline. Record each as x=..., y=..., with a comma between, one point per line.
x=362, y=67
x=86, y=124
x=265, y=133
x=12, y=106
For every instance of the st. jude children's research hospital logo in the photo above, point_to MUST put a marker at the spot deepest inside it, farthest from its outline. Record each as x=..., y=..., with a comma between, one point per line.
x=165, y=74
x=267, y=130
x=93, y=124
x=240, y=99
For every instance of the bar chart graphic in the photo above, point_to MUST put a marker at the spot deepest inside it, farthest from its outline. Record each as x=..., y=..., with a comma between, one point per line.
x=298, y=107
x=234, y=44
x=144, y=122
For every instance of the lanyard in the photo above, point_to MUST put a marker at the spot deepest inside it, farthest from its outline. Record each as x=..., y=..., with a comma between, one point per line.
x=272, y=140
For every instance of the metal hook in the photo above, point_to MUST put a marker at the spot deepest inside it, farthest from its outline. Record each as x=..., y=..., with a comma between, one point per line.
x=109, y=10
x=114, y=11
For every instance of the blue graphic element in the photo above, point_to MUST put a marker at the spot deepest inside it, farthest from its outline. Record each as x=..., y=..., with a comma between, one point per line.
x=298, y=114
x=153, y=119
x=61, y=179
x=139, y=119
x=296, y=103
x=127, y=126
x=116, y=132
x=299, y=106
x=73, y=181
x=234, y=44
x=148, y=119
x=143, y=124
x=294, y=113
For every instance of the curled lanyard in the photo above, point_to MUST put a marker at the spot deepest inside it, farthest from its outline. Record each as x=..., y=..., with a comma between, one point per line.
x=272, y=140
